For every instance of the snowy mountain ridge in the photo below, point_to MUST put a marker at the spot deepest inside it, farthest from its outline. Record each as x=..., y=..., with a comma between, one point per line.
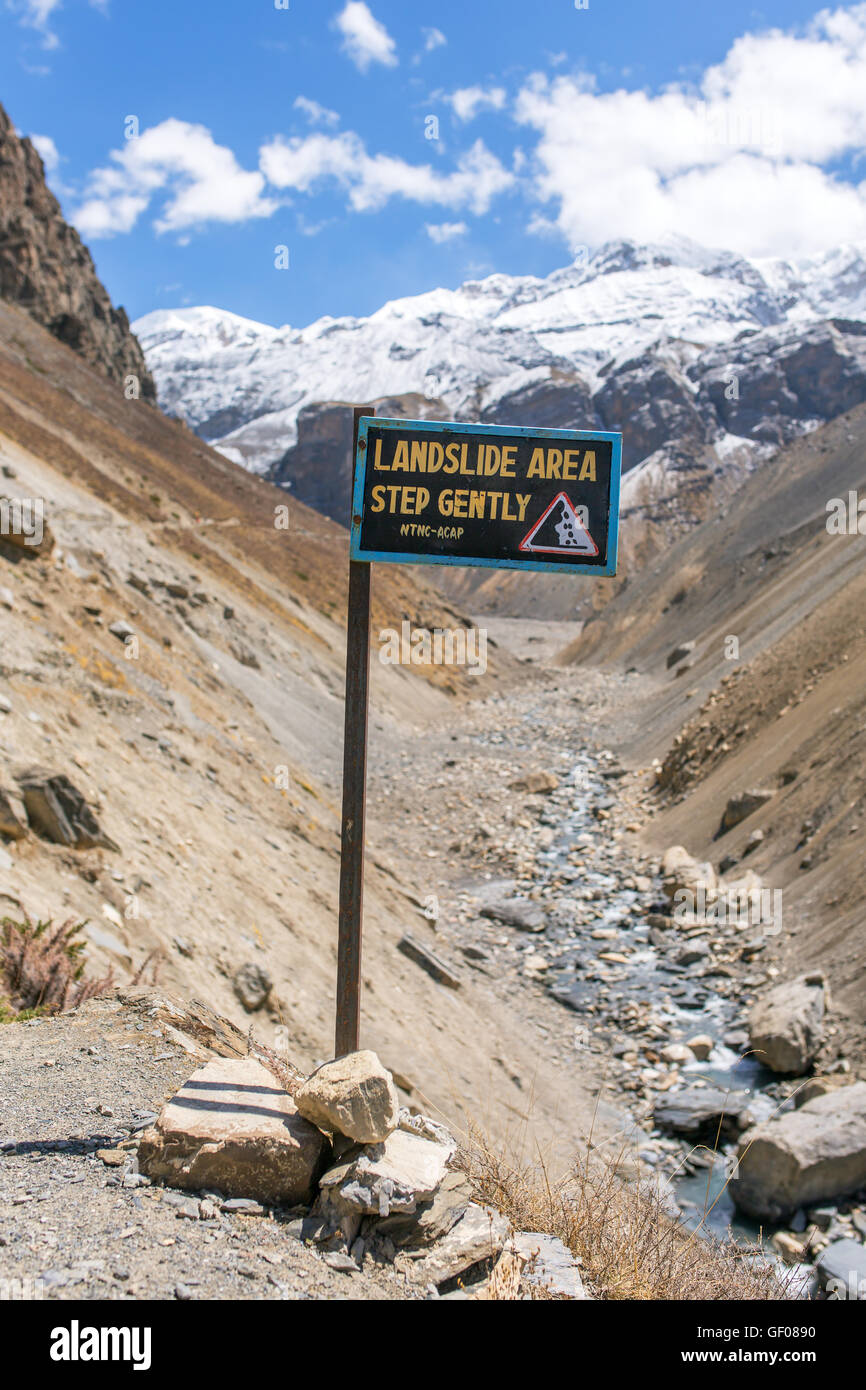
x=241, y=385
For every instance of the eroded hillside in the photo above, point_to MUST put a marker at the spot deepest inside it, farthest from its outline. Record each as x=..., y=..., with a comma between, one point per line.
x=771, y=694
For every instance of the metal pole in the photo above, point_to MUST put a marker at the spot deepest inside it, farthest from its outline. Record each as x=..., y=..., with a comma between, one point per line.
x=347, y=1033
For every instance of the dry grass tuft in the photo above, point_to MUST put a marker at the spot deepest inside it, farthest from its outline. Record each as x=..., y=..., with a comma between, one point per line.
x=41, y=969
x=628, y=1246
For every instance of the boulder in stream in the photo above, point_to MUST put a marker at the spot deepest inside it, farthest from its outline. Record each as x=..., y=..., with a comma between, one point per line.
x=804, y=1157
x=786, y=1026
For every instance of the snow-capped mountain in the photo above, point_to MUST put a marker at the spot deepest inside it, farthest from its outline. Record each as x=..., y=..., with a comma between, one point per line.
x=702, y=357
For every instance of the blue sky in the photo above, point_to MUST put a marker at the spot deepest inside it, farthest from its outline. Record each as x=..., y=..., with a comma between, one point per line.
x=258, y=126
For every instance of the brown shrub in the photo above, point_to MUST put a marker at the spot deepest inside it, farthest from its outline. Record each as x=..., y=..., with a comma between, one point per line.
x=41, y=968
x=628, y=1246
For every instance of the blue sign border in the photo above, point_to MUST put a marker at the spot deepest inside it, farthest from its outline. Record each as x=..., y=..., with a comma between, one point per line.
x=605, y=571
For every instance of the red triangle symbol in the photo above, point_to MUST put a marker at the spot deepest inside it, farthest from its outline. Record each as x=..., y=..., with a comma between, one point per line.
x=560, y=531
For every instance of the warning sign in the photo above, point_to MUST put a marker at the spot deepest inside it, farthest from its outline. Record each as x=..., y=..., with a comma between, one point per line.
x=454, y=494
x=560, y=529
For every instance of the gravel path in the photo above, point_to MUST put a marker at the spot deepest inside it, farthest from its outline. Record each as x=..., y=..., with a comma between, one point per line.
x=73, y=1226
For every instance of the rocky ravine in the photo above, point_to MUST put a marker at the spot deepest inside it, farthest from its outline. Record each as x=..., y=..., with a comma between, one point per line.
x=539, y=901
x=541, y=884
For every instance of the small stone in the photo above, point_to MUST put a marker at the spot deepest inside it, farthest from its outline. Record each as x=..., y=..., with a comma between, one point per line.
x=335, y=1259
x=517, y=913
x=679, y=654
x=187, y=1210
x=683, y=873
x=548, y=1264
x=436, y=967
x=58, y=811
x=112, y=1158
x=252, y=985
x=789, y=1247
x=11, y=822
x=535, y=783
x=693, y=953
x=701, y=1045
x=743, y=805
x=822, y=1217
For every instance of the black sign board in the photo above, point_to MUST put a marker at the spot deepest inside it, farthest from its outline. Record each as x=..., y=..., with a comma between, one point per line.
x=515, y=498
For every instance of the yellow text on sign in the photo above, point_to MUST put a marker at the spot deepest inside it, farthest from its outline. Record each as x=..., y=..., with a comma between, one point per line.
x=460, y=502
x=564, y=464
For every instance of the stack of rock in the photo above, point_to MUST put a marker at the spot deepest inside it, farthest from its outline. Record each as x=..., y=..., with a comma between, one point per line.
x=376, y=1181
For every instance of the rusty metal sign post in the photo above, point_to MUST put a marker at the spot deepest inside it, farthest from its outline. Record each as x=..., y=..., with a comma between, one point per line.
x=426, y=492
x=351, y=910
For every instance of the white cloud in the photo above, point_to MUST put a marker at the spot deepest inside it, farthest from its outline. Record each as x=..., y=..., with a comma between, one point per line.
x=371, y=180
x=445, y=231
x=433, y=38
x=36, y=14
x=735, y=161
x=47, y=151
x=315, y=113
x=365, y=40
x=199, y=181
x=468, y=101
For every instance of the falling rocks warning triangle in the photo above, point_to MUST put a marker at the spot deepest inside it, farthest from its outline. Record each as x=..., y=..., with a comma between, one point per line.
x=560, y=531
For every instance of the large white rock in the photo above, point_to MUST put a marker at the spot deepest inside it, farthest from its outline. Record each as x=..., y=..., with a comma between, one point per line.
x=231, y=1128
x=354, y=1096
x=390, y=1177
x=682, y=872
x=548, y=1264
x=804, y=1157
x=786, y=1026
x=480, y=1234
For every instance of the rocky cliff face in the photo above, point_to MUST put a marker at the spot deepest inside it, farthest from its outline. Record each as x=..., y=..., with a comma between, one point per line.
x=318, y=469
x=45, y=269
